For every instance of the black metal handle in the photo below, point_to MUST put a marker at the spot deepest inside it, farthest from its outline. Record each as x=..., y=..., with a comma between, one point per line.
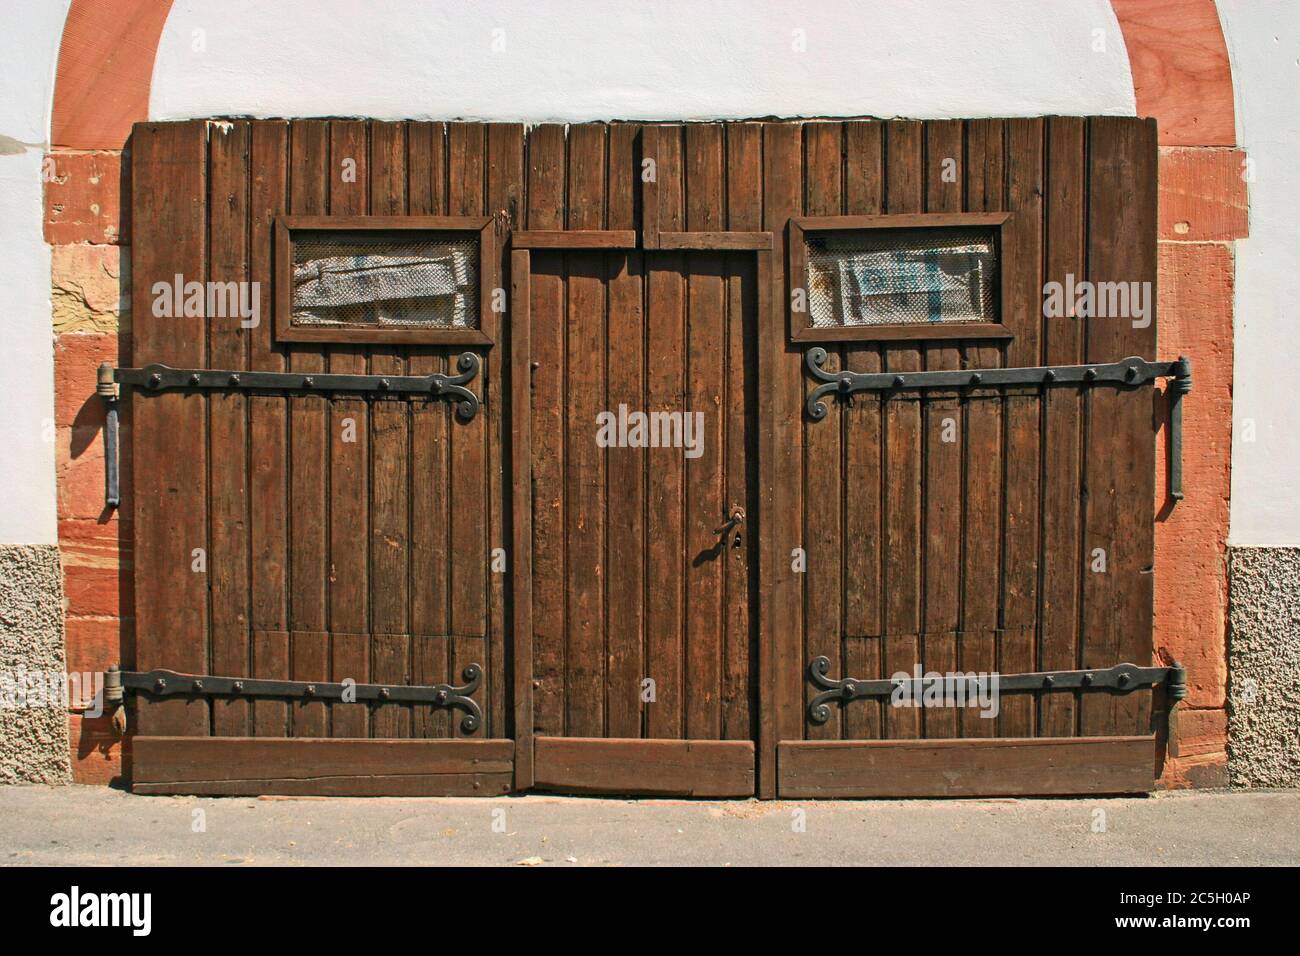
x=106, y=389
x=737, y=517
x=1179, y=385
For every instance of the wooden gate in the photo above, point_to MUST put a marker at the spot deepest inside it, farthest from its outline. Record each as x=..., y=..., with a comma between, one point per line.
x=961, y=530
x=645, y=563
x=312, y=537
x=633, y=632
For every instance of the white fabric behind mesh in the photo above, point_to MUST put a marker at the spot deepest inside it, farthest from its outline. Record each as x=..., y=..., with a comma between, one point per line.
x=361, y=279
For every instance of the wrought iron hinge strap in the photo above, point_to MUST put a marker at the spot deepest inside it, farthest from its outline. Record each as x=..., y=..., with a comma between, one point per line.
x=157, y=378
x=1119, y=679
x=1131, y=371
x=165, y=683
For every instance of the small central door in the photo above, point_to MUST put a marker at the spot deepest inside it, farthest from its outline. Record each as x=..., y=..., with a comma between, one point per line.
x=644, y=538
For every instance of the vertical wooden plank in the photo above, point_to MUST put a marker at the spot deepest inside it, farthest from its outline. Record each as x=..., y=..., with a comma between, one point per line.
x=1062, y=435
x=547, y=157
x=228, y=232
x=268, y=438
x=625, y=541
x=351, y=651
x=744, y=182
x=546, y=151
x=169, y=171
x=706, y=508
x=670, y=179
x=521, y=509
x=666, y=363
x=585, y=474
x=665, y=540
x=863, y=459
x=505, y=197
x=1119, y=488
x=982, y=451
x=823, y=454
x=943, y=460
x=648, y=175
x=782, y=198
x=666, y=492
x=389, y=469
x=623, y=178
x=430, y=480
x=903, y=461
x=466, y=176
x=1023, y=258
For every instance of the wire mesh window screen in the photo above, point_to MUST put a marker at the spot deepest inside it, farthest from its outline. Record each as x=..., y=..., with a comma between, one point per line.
x=366, y=279
x=901, y=277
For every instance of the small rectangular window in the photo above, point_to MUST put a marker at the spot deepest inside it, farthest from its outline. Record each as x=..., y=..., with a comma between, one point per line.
x=889, y=277
x=413, y=280
x=896, y=277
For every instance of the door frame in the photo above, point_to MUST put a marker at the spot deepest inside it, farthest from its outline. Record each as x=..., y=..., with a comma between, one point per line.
x=687, y=754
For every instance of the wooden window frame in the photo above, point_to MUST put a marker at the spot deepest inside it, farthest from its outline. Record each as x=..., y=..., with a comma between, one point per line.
x=801, y=327
x=488, y=268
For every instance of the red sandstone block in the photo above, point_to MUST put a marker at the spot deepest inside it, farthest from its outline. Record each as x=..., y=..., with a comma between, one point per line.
x=101, y=85
x=80, y=472
x=94, y=590
x=79, y=461
x=1201, y=732
x=94, y=644
x=86, y=199
x=1192, y=773
x=97, y=572
x=76, y=362
x=1181, y=72
x=1191, y=583
x=1202, y=194
x=96, y=750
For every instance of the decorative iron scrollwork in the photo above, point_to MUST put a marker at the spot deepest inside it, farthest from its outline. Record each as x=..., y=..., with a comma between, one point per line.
x=165, y=683
x=156, y=378
x=1131, y=371
x=1119, y=679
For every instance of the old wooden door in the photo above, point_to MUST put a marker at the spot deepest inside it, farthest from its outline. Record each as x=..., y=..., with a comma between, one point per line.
x=1003, y=530
x=312, y=537
x=644, y=567
x=634, y=633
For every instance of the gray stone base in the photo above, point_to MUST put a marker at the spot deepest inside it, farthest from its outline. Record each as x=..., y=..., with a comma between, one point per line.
x=33, y=740
x=1264, y=667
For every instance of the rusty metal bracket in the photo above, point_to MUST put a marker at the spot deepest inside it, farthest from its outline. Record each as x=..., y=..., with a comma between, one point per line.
x=1131, y=371
x=165, y=683
x=1119, y=679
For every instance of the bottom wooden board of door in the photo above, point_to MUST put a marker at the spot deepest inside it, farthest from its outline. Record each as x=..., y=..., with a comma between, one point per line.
x=985, y=767
x=300, y=766
x=678, y=768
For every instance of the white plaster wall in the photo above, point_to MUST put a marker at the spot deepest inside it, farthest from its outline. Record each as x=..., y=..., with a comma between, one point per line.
x=573, y=60
x=28, y=54
x=1264, y=44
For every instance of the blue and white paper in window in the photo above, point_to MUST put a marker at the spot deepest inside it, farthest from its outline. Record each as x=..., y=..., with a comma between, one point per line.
x=901, y=277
